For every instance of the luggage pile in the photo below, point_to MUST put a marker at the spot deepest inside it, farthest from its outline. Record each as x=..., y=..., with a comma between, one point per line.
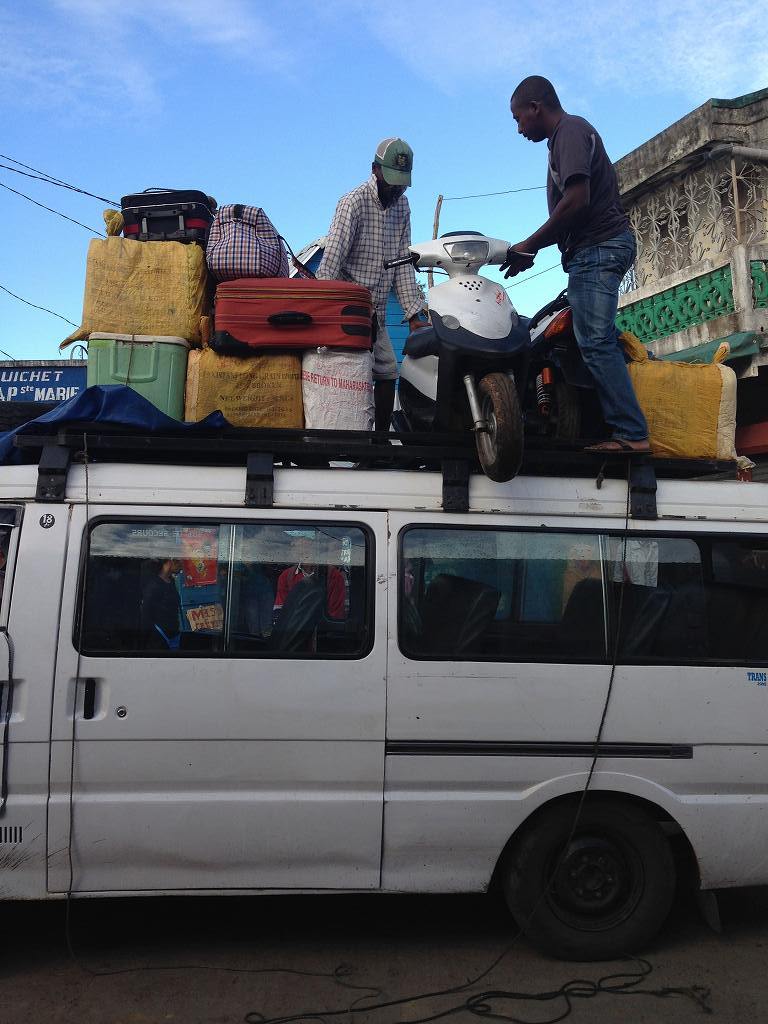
x=193, y=308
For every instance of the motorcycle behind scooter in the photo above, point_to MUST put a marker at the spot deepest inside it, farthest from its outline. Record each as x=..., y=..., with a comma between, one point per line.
x=480, y=366
x=461, y=371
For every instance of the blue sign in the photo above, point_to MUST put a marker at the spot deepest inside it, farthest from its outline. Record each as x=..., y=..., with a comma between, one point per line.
x=45, y=381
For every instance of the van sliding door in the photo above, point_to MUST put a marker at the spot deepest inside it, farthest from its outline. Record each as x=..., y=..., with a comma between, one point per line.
x=226, y=675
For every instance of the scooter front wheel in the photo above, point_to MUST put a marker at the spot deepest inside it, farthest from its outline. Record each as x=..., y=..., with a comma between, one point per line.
x=500, y=447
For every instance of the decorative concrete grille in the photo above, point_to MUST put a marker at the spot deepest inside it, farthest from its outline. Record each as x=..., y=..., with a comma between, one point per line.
x=675, y=309
x=760, y=283
x=694, y=217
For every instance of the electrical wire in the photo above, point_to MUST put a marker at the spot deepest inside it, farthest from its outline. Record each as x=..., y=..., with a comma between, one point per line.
x=51, y=180
x=483, y=1004
x=485, y=195
x=540, y=272
x=51, y=210
x=34, y=305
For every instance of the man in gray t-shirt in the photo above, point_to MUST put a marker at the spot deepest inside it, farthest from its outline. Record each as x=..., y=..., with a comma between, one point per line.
x=590, y=227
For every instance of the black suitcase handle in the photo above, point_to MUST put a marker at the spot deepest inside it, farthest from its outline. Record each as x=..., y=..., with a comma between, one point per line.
x=290, y=318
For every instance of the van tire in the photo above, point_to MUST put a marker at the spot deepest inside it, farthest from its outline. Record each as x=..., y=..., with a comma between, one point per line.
x=500, y=449
x=607, y=896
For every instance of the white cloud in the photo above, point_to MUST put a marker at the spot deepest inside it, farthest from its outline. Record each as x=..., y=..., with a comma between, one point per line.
x=700, y=48
x=83, y=56
x=36, y=71
x=228, y=24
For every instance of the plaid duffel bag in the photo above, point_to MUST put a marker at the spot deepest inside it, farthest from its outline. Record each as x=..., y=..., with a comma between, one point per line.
x=244, y=243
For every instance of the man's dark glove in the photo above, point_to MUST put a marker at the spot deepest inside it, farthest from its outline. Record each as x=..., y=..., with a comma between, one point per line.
x=516, y=262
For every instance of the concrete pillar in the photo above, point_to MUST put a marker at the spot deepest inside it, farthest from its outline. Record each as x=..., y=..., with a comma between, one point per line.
x=741, y=278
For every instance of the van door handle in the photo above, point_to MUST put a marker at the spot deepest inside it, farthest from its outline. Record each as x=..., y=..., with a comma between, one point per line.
x=89, y=698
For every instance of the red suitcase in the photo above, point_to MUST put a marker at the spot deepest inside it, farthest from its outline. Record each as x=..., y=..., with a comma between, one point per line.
x=295, y=312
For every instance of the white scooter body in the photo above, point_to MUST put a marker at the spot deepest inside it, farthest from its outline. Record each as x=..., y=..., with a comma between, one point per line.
x=473, y=302
x=474, y=343
x=479, y=305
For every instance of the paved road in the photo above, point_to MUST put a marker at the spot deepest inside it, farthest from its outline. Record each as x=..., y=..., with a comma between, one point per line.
x=399, y=944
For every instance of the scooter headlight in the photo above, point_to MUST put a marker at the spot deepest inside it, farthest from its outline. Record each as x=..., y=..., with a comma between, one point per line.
x=471, y=251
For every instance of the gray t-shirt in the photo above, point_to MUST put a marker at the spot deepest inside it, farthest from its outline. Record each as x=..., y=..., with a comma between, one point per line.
x=576, y=149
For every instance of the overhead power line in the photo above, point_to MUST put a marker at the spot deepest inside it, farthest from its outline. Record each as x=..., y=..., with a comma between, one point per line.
x=51, y=210
x=34, y=305
x=553, y=267
x=49, y=178
x=485, y=195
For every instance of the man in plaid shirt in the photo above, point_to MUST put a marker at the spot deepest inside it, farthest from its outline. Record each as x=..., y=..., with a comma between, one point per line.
x=373, y=224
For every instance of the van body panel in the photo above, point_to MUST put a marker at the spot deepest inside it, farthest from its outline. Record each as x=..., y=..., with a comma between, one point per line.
x=31, y=600
x=220, y=772
x=392, y=770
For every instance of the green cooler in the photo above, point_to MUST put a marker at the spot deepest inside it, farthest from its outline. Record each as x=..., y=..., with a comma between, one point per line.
x=154, y=366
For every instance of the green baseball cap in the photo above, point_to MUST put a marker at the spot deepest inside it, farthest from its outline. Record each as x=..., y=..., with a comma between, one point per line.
x=395, y=158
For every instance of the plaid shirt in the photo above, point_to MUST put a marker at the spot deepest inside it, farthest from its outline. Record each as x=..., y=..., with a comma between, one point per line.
x=361, y=237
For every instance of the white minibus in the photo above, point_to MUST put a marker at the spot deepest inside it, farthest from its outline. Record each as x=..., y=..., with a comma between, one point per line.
x=350, y=689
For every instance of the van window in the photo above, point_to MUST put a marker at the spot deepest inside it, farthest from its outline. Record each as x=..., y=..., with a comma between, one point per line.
x=702, y=600
x=501, y=595
x=251, y=590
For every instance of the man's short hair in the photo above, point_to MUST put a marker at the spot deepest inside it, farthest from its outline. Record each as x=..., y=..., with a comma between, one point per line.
x=536, y=89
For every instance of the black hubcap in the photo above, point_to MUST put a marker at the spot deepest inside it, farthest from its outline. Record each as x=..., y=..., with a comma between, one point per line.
x=598, y=883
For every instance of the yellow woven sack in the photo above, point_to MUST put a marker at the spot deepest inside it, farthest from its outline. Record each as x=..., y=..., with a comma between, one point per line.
x=143, y=288
x=258, y=391
x=690, y=407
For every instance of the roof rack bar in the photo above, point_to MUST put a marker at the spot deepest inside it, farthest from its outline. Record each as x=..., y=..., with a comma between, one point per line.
x=455, y=485
x=349, y=446
x=52, y=473
x=259, y=480
x=642, y=490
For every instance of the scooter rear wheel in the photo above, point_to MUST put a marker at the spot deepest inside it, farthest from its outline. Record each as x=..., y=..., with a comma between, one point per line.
x=567, y=412
x=500, y=448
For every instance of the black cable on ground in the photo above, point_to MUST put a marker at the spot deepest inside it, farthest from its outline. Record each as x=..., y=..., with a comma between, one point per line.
x=482, y=1004
x=487, y=1004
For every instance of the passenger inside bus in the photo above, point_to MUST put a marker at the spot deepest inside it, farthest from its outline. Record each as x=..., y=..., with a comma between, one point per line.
x=161, y=604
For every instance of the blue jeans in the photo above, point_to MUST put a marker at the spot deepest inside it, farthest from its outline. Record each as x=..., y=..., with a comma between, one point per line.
x=594, y=276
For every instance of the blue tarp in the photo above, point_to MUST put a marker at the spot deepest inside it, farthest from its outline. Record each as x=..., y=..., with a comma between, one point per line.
x=107, y=405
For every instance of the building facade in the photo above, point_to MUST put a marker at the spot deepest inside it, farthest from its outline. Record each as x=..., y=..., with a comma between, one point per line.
x=697, y=199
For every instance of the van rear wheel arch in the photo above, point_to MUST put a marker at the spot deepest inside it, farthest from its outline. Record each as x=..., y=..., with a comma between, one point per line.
x=613, y=884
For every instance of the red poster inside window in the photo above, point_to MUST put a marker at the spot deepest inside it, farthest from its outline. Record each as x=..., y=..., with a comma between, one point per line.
x=200, y=555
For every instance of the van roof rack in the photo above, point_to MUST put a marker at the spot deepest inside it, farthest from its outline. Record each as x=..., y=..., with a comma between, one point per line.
x=452, y=454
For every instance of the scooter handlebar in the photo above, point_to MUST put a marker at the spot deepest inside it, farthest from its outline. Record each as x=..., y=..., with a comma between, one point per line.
x=402, y=261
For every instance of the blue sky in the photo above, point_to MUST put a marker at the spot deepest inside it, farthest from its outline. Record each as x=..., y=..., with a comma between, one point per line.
x=281, y=105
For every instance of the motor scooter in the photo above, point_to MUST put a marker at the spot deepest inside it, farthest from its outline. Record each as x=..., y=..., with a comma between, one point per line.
x=462, y=371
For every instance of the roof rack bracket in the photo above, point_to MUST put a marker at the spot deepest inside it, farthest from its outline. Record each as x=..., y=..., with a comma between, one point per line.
x=455, y=485
x=52, y=473
x=259, y=480
x=642, y=490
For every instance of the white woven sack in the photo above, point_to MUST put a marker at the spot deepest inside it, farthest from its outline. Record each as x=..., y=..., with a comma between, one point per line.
x=337, y=387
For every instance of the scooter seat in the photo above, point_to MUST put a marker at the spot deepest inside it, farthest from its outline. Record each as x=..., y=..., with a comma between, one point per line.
x=423, y=342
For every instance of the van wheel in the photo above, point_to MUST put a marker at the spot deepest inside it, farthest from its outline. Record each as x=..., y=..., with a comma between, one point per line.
x=500, y=448
x=606, y=895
